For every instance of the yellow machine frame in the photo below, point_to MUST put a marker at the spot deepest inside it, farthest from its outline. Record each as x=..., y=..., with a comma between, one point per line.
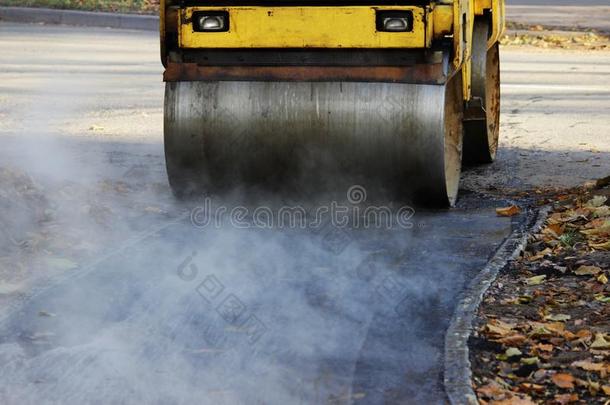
x=339, y=27
x=302, y=27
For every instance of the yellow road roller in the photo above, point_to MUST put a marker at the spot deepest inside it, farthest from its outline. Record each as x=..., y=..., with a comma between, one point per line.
x=393, y=94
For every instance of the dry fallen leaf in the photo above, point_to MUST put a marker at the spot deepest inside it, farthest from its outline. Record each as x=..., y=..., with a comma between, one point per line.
x=563, y=380
x=572, y=365
x=593, y=387
x=508, y=211
x=599, y=227
x=540, y=332
x=584, y=333
x=600, y=342
x=601, y=246
x=589, y=365
x=513, y=340
x=566, y=398
x=154, y=210
x=596, y=201
x=499, y=328
x=540, y=255
x=602, y=298
x=557, y=229
x=529, y=387
x=513, y=352
x=530, y=360
x=559, y=317
x=45, y=313
x=587, y=271
x=544, y=347
x=556, y=327
x=492, y=390
x=536, y=280
x=515, y=400
x=601, y=212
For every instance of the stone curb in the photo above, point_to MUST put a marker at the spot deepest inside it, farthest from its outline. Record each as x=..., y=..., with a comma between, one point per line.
x=457, y=373
x=82, y=18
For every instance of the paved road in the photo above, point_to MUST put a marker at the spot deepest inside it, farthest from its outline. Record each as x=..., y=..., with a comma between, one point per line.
x=163, y=311
x=561, y=14
x=554, y=125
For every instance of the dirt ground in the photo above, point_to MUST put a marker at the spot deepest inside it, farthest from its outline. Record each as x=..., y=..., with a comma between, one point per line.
x=543, y=333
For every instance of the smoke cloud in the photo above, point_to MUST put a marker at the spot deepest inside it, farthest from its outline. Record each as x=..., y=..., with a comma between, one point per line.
x=121, y=294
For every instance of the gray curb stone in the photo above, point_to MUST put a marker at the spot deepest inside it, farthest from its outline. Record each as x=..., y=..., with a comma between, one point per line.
x=83, y=18
x=457, y=373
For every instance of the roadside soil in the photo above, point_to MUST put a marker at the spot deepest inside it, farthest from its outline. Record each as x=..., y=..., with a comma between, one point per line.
x=543, y=330
x=542, y=36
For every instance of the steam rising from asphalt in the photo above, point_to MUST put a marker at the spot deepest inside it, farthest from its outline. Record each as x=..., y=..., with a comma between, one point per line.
x=162, y=311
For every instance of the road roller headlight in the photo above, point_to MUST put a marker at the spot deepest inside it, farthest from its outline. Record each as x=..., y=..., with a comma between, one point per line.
x=217, y=21
x=394, y=21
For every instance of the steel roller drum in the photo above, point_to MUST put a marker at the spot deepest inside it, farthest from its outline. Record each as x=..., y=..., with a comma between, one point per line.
x=483, y=130
x=402, y=139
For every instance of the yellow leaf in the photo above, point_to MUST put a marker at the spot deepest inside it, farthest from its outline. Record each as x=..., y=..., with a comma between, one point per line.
x=602, y=279
x=539, y=329
x=601, y=212
x=598, y=229
x=600, y=342
x=601, y=246
x=587, y=271
x=536, y=280
x=596, y=201
x=593, y=387
x=606, y=389
x=559, y=317
x=530, y=360
x=513, y=352
x=508, y=211
x=602, y=298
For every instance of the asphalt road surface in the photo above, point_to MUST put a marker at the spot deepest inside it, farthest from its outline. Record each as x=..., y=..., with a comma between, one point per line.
x=163, y=307
x=561, y=14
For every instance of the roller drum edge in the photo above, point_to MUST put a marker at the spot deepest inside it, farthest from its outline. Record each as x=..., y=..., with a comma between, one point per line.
x=482, y=132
